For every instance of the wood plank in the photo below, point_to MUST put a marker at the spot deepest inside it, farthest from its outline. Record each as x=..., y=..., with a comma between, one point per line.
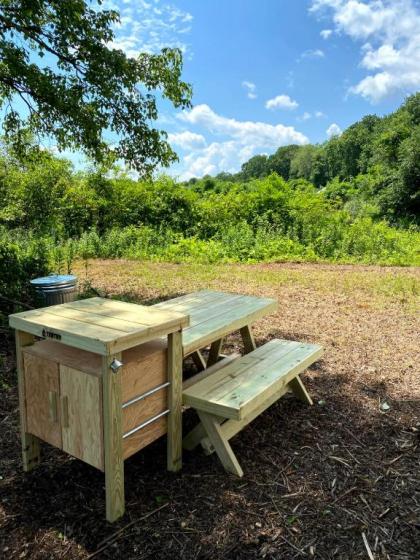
x=73, y=333
x=85, y=316
x=271, y=374
x=144, y=437
x=243, y=376
x=93, y=336
x=146, y=408
x=234, y=396
x=235, y=369
x=190, y=301
x=41, y=380
x=209, y=371
x=174, y=452
x=83, y=429
x=134, y=313
x=221, y=382
x=67, y=356
x=206, y=332
x=220, y=444
x=30, y=444
x=226, y=305
x=113, y=457
x=144, y=367
x=215, y=349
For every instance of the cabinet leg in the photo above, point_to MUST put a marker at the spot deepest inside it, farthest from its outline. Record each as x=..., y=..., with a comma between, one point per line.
x=114, y=463
x=174, y=452
x=31, y=455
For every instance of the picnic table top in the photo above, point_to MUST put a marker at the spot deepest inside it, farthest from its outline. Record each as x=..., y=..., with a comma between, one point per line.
x=214, y=315
x=100, y=325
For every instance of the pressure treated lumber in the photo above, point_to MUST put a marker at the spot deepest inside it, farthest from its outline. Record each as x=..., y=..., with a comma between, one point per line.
x=113, y=456
x=100, y=325
x=231, y=397
x=29, y=442
x=214, y=315
x=174, y=452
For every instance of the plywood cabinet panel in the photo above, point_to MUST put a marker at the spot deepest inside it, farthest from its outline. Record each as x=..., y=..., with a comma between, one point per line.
x=82, y=416
x=144, y=437
x=42, y=389
x=144, y=368
x=143, y=410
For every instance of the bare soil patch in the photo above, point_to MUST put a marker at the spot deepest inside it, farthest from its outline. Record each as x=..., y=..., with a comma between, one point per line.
x=339, y=480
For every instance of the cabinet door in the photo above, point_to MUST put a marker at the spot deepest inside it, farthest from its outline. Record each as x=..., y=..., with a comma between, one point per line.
x=42, y=392
x=82, y=430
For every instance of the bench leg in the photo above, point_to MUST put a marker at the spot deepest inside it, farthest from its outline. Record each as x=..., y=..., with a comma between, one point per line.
x=198, y=360
x=220, y=443
x=299, y=390
x=214, y=354
x=248, y=339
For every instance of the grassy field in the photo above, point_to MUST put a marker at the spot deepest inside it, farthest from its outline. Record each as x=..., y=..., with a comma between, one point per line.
x=319, y=482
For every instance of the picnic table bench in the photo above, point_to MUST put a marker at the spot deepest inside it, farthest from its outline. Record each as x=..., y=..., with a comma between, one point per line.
x=227, y=400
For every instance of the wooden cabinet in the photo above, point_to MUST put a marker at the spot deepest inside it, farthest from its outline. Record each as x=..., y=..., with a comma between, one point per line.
x=63, y=387
x=104, y=382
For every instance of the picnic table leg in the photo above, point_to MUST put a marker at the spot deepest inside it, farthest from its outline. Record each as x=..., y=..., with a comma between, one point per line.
x=114, y=463
x=299, y=390
x=220, y=443
x=198, y=360
x=248, y=339
x=214, y=353
x=30, y=443
x=174, y=452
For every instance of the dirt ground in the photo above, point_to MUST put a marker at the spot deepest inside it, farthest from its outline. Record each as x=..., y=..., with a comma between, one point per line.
x=339, y=480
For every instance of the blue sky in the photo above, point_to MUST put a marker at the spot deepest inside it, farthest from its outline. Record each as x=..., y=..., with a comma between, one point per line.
x=267, y=73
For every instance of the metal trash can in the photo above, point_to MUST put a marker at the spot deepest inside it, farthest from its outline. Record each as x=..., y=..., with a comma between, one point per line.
x=55, y=288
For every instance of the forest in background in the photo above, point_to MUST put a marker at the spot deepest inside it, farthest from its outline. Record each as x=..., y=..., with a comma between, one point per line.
x=353, y=199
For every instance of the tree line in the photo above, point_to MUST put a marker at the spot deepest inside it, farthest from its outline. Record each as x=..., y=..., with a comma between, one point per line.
x=375, y=163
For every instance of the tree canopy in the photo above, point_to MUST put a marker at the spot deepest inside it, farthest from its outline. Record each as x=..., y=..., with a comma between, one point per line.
x=375, y=162
x=56, y=58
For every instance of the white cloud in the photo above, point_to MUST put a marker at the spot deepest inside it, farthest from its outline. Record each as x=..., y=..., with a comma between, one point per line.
x=251, y=89
x=312, y=53
x=241, y=140
x=307, y=115
x=389, y=32
x=246, y=132
x=333, y=130
x=281, y=102
x=326, y=33
x=149, y=27
x=187, y=140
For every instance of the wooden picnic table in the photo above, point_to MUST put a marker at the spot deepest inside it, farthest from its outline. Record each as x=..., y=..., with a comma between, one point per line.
x=214, y=315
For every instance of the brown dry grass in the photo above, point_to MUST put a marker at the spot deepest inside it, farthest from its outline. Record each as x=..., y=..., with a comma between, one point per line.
x=315, y=479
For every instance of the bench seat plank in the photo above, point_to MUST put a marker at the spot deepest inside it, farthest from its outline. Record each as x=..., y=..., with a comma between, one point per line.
x=240, y=387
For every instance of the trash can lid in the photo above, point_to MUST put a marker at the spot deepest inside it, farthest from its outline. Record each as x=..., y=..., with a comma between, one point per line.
x=54, y=280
